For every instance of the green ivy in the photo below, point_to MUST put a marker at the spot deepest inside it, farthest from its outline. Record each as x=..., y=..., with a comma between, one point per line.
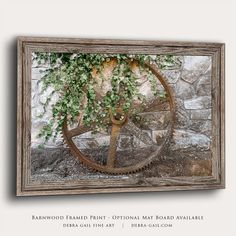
x=70, y=76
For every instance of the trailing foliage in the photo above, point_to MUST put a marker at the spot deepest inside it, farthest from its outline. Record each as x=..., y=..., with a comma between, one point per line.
x=71, y=77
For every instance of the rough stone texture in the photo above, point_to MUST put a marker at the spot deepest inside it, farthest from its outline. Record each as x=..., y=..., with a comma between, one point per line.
x=200, y=126
x=180, y=163
x=91, y=142
x=207, y=128
x=188, y=154
x=155, y=120
x=188, y=139
x=200, y=114
x=57, y=164
x=198, y=103
x=195, y=66
x=203, y=85
x=197, y=63
x=182, y=115
x=172, y=76
x=184, y=90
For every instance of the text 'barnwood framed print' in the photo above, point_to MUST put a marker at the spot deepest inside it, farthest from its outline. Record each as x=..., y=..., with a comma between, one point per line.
x=99, y=116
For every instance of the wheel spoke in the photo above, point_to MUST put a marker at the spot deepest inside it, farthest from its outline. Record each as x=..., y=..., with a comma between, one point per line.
x=77, y=131
x=112, y=147
x=143, y=136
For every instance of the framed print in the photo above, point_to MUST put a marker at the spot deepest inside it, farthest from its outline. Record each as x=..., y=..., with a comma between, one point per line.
x=99, y=116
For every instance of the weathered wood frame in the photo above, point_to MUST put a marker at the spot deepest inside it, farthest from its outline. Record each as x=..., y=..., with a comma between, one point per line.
x=27, y=45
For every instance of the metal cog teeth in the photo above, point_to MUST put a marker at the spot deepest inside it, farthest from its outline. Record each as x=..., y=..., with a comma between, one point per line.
x=104, y=171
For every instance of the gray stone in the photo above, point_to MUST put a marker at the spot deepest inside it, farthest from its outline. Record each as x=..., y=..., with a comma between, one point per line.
x=38, y=73
x=182, y=119
x=184, y=89
x=204, y=79
x=92, y=144
x=145, y=90
x=188, y=139
x=36, y=111
x=207, y=128
x=56, y=164
x=155, y=120
x=125, y=142
x=203, y=102
x=195, y=66
x=90, y=134
x=203, y=86
x=201, y=126
x=201, y=63
x=171, y=76
x=138, y=143
x=134, y=130
x=36, y=76
x=34, y=86
x=190, y=76
x=103, y=140
x=179, y=102
x=182, y=116
x=81, y=143
x=36, y=141
x=84, y=143
x=208, y=71
x=201, y=114
x=204, y=90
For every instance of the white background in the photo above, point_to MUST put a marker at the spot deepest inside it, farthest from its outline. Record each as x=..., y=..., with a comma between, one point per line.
x=201, y=20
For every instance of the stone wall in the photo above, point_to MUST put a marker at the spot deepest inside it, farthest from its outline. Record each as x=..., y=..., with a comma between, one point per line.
x=192, y=89
x=37, y=109
x=191, y=84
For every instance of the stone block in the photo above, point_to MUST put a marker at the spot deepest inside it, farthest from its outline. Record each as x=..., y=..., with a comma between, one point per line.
x=183, y=139
x=182, y=119
x=190, y=76
x=203, y=86
x=201, y=126
x=184, y=90
x=137, y=143
x=199, y=63
x=182, y=116
x=125, y=142
x=158, y=104
x=155, y=120
x=204, y=114
x=35, y=112
x=90, y=135
x=194, y=67
x=202, y=102
x=145, y=90
x=38, y=73
x=171, y=76
x=91, y=143
x=38, y=141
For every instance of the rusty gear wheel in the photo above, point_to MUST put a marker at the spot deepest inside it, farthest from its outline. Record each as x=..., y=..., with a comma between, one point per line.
x=119, y=122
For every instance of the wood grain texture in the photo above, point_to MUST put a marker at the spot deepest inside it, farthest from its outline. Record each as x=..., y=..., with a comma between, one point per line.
x=19, y=116
x=27, y=45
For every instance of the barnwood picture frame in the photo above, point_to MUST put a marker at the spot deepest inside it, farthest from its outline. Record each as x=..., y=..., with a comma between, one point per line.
x=176, y=142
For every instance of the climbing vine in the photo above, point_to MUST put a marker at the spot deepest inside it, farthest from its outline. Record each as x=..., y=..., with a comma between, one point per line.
x=73, y=78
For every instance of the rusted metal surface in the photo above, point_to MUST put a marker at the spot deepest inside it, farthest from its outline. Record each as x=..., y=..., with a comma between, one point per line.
x=121, y=120
x=118, y=119
x=113, y=145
